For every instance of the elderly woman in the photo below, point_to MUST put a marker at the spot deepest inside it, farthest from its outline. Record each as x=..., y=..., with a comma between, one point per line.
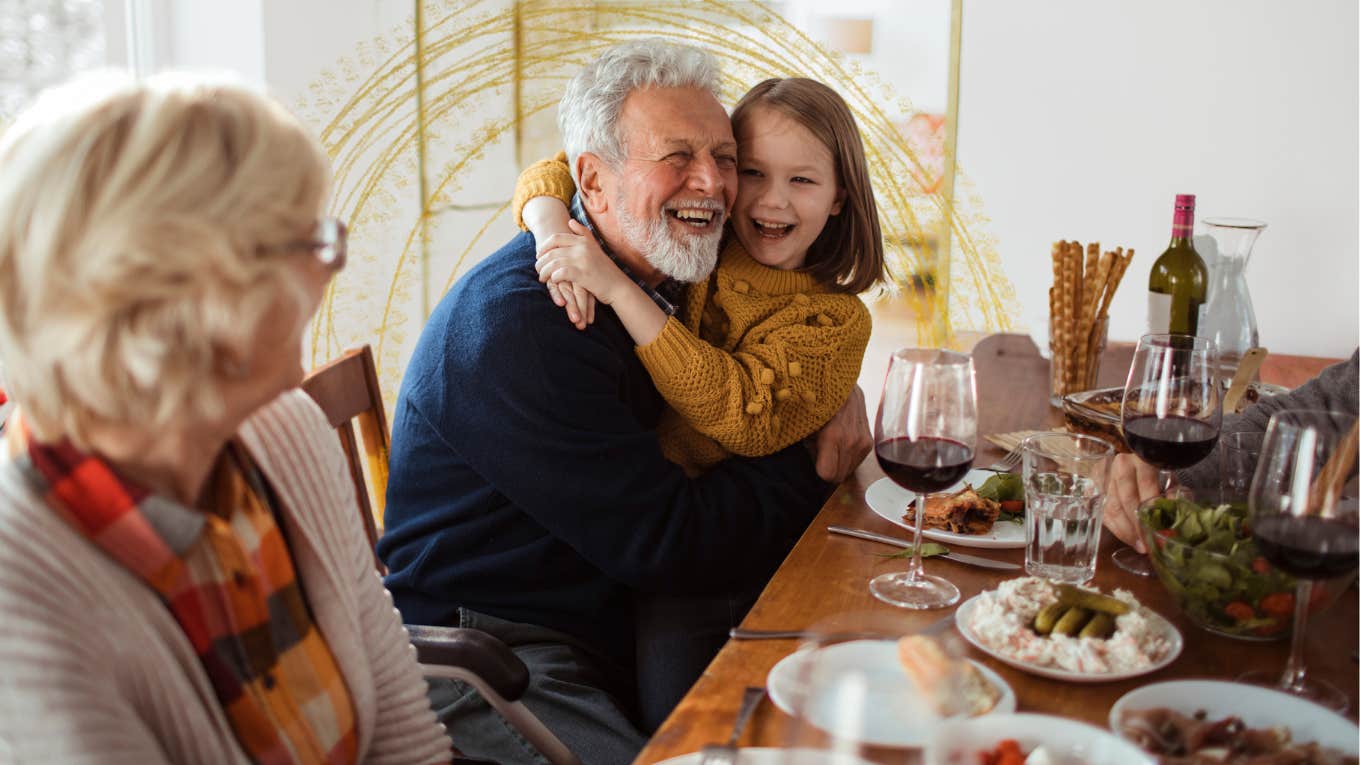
x=182, y=574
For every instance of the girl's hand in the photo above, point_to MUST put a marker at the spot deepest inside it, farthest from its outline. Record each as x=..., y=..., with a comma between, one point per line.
x=578, y=301
x=577, y=259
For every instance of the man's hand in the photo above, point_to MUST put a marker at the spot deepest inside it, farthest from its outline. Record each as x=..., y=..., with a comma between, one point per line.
x=1131, y=483
x=844, y=441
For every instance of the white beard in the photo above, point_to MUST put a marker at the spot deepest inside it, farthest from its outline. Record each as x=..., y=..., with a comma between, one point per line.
x=686, y=259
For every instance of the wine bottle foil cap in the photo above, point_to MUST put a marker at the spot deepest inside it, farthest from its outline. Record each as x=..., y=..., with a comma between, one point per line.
x=1185, y=200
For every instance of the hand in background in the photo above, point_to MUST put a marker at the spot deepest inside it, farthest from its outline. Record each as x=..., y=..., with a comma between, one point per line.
x=843, y=443
x=1131, y=483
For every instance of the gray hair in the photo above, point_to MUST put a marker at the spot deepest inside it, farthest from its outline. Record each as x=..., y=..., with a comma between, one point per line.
x=588, y=114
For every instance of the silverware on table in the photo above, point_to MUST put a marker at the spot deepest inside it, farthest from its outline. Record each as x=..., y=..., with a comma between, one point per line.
x=741, y=633
x=971, y=560
x=726, y=754
x=1005, y=464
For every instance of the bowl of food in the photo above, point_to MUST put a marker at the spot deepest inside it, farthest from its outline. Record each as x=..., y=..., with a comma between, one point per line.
x=1205, y=556
x=1097, y=412
x=1030, y=738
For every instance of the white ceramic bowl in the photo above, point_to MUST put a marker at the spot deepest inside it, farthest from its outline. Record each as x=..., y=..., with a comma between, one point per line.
x=958, y=741
x=1257, y=706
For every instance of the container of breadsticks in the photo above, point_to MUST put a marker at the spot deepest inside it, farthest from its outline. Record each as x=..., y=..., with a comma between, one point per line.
x=1084, y=282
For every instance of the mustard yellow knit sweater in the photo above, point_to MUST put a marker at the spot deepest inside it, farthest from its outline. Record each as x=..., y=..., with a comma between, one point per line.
x=760, y=359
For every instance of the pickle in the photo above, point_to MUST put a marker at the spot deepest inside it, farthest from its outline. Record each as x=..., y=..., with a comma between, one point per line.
x=1100, y=626
x=1047, y=617
x=1071, y=621
x=1092, y=601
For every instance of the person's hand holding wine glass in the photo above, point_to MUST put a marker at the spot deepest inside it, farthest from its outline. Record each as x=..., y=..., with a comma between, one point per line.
x=924, y=437
x=1171, y=411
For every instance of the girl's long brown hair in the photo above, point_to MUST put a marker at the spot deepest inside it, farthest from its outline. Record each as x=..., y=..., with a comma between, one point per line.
x=849, y=252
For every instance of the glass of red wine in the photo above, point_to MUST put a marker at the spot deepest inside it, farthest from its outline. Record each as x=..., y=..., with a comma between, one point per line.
x=1171, y=412
x=924, y=436
x=1305, y=524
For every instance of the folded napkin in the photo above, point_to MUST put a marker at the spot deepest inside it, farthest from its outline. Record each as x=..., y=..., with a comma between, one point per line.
x=1011, y=441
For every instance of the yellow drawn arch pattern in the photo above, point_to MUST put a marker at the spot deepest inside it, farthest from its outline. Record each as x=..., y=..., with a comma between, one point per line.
x=411, y=115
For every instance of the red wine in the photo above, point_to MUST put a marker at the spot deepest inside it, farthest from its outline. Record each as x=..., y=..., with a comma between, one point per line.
x=1308, y=547
x=926, y=464
x=1170, y=443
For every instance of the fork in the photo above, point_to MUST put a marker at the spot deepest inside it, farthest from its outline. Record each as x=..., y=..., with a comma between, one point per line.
x=726, y=754
x=1006, y=463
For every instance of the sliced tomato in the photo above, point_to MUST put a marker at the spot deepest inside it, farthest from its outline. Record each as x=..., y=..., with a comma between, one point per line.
x=1168, y=533
x=1260, y=565
x=1013, y=505
x=1239, y=611
x=1278, y=604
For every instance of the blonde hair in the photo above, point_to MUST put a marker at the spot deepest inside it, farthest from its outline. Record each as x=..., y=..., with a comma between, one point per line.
x=132, y=222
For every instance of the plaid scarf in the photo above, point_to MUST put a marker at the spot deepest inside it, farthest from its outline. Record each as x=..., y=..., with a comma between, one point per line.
x=228, y=579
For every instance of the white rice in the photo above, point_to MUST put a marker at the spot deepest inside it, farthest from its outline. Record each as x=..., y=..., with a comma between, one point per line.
x=1002, y=618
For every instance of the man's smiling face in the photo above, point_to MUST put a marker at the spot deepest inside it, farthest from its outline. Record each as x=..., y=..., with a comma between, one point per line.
x=677, y=182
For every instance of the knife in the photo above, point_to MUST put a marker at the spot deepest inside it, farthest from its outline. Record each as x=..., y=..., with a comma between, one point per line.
x=742, y=633
x=971, y=560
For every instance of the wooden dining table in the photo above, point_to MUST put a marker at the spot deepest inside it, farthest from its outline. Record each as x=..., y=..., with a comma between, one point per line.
x=827, y=576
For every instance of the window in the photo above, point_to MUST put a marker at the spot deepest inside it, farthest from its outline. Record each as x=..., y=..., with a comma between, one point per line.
x=43, y=42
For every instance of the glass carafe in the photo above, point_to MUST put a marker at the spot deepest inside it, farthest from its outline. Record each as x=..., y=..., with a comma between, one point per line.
x=1228, y=317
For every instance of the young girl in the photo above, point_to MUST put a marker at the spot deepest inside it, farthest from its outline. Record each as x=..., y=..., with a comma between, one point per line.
x=771, y=342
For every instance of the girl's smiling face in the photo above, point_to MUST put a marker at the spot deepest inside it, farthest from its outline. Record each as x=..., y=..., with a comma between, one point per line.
x=788, y=188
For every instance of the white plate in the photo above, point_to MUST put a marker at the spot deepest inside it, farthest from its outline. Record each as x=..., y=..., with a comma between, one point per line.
x=774, y=756
x=891, y=501
x=963, y=617
x=958, y=742
x=1257, y=706
x=894, y=715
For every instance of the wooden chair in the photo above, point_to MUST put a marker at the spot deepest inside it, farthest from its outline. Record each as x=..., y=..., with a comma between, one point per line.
x=347, y=389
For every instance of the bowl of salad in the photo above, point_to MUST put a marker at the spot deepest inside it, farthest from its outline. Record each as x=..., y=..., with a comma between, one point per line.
x=1205, y=556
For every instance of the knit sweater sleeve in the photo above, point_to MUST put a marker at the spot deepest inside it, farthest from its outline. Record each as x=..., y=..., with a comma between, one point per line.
x=785, y=377
x=544, y=178
x=1336, y=388
x=304, y=449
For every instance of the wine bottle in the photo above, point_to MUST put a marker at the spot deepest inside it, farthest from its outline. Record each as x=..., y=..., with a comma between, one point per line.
x=1179, y=281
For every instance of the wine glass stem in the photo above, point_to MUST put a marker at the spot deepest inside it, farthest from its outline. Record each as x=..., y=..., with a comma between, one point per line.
x=914, y=568
x=1294, y=678
x=1164, y=479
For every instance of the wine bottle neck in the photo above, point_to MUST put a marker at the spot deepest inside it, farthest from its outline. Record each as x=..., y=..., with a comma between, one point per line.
x=1183, y=225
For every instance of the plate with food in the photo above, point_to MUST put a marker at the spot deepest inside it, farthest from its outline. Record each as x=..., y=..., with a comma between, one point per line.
x=902, y=687
x=985, y=509
x=1068, y=633
x=768, y=755
x=1207, y=720
x=1028, y=738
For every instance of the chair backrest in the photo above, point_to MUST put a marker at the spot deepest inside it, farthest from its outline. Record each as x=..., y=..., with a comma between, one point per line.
x=346, y=389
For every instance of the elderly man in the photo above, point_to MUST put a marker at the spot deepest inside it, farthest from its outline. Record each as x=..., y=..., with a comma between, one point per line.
x=528, y=494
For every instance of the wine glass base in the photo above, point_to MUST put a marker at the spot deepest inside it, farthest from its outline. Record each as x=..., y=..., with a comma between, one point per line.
x=1132, y=561
x=923, y=592
x=1317, y=691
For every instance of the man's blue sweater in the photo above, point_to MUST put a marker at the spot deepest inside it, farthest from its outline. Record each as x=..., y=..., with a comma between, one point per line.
x=527, y=483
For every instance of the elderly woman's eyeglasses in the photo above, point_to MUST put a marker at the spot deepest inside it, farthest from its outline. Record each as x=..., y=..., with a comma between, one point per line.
x=329, y=243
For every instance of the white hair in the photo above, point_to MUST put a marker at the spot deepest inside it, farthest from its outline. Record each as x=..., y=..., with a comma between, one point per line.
x=133, y=222
x=588, y=114
x=685, y=258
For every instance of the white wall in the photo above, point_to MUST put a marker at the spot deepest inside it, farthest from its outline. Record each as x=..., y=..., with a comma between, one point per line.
x=1082, y=120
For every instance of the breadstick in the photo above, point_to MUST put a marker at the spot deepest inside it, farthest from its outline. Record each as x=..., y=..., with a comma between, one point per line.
x=1089, y=319
x=1120, y=266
